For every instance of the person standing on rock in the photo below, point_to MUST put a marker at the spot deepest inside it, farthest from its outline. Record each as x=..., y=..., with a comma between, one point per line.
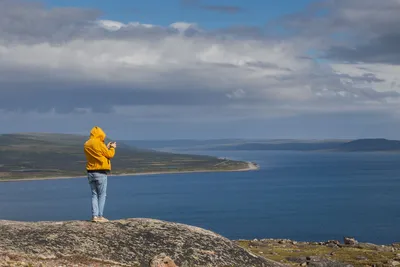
x=98, y=166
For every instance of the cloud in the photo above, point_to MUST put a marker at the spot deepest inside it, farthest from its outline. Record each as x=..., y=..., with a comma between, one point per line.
x=239, y=93
x=31, y=22
x=356, y=38
x=228, y=9
x=353, y=30
x=69, y=61
x=367, y=17
x=224, y=9
x=383, y=49
x=243, y=31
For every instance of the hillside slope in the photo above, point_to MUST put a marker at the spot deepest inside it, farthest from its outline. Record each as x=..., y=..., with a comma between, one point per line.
x=378, y=144
x=53, y=155
x=298, y=146
x=359, y=145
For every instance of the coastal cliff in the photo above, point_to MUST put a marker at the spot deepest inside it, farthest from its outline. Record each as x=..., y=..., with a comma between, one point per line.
x=130, y=242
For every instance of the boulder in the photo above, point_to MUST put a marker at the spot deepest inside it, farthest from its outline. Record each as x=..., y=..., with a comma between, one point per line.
x=351, y=241
x=394, y=263
x=129, y=242
x=162, y=260
x=314, y=261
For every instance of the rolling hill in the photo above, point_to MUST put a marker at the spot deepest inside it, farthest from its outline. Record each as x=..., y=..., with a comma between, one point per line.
x=291, y=146
x=359, y=145
x=366, y=145
x=39, y=155
x=339, y=145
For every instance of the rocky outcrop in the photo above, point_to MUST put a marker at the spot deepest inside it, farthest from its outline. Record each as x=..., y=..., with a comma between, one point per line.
x=314, y=261
x=130, y=242
x=331, y=253
x=351, y=241
x=162, y=260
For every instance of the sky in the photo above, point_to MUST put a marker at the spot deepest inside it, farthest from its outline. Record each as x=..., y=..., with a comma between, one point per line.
x=201, y=69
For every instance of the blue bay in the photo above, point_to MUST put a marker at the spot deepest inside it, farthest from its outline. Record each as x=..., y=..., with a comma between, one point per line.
x=302, y=196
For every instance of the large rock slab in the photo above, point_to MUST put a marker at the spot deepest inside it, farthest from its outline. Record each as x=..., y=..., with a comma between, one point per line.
x=130, y=242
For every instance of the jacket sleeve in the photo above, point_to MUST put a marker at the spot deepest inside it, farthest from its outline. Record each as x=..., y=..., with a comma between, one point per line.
x=108, y=153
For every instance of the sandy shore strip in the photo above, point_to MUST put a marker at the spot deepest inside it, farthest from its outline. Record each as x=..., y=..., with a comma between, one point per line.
x=251, y=167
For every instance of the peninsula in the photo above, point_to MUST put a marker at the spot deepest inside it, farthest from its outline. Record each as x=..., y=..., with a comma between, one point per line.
x=48, y=156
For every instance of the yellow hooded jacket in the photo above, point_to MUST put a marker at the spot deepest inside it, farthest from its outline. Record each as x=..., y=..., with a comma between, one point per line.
x=97, y=154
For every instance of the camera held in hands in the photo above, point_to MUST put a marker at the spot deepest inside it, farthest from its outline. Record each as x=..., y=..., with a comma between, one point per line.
x=111, y=144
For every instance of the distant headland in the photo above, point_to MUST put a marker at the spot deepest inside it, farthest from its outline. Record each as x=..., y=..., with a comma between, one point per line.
x=33, y=156
x=331, y=145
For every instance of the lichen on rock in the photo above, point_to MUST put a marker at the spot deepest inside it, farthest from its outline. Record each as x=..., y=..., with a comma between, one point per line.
x=130, y=242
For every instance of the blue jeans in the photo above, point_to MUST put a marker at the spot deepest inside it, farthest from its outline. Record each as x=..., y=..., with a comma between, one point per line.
x=98, y=185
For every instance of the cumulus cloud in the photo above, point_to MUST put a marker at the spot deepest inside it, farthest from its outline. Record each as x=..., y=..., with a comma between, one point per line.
x=68, y=61
x=382, y=49
x=30, y=22
x=357, y=39
x=365, y=18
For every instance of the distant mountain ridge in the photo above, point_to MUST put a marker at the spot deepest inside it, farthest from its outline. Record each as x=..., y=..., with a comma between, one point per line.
x=360, y=145
x=378, y=144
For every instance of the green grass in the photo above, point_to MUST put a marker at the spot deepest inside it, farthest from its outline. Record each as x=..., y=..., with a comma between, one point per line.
x=351, y=255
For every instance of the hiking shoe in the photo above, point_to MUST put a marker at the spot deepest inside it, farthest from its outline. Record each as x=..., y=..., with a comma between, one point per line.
x=96, y=219
x=102, y=219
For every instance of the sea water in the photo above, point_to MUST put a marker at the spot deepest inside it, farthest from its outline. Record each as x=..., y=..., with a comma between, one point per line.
x=304, y=196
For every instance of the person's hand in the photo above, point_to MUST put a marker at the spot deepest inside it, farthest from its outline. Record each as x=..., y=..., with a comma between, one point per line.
x=113, y=144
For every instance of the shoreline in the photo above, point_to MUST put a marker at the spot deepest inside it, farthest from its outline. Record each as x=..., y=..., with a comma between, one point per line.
x=251, y=167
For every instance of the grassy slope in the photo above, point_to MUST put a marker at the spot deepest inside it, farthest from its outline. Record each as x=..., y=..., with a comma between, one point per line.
x=295, y=253
x=40, y=155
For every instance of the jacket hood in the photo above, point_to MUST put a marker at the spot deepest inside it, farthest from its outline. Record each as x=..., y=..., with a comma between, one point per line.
x=97, y=133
